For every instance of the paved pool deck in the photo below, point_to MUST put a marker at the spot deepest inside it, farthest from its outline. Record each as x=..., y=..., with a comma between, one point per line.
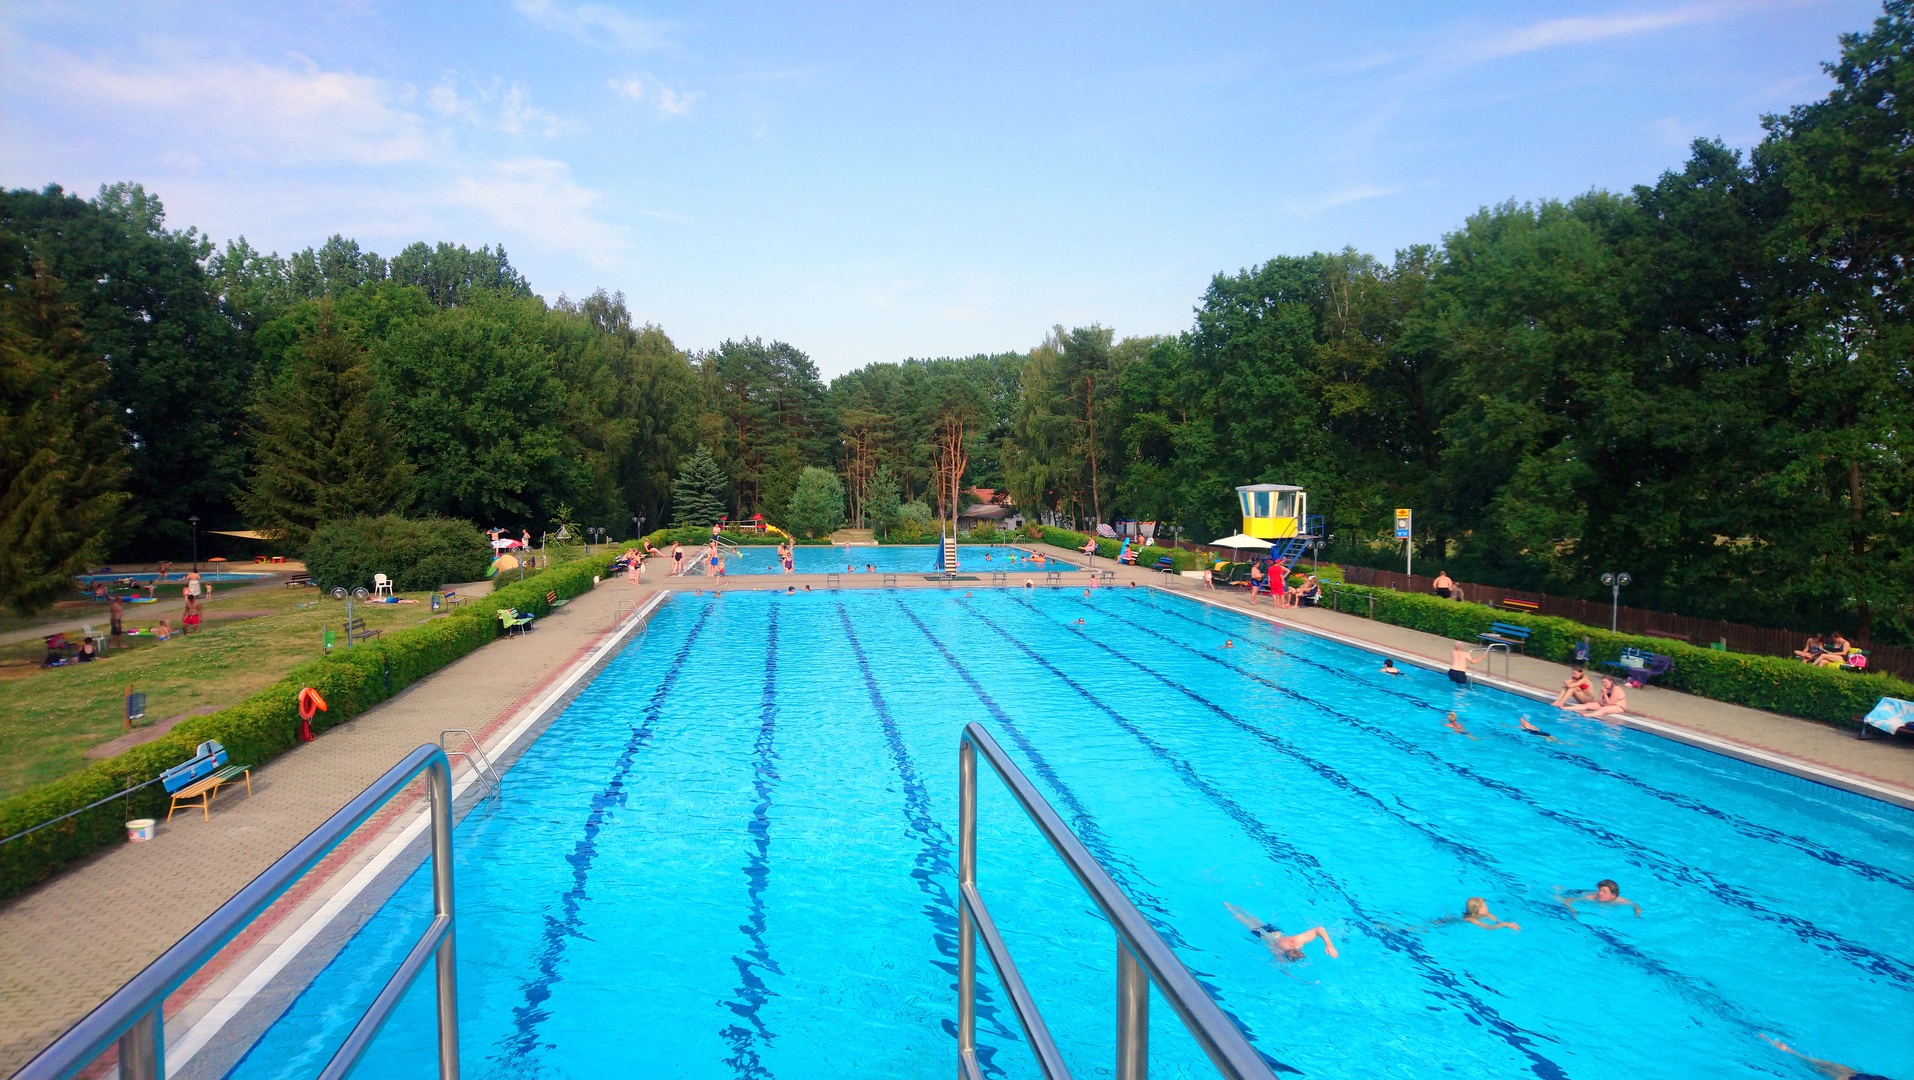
x=66, y=945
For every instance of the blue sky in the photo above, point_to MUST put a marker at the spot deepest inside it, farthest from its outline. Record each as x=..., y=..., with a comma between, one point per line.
x=875, y=181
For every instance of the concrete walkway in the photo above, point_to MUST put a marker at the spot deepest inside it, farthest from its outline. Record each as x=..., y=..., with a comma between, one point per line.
x=68, y=944
x=71, y=942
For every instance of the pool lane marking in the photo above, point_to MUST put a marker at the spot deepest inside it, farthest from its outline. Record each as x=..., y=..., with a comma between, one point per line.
x=1752, y=830
x=1084, y=824
x=752, y=992
x=1443, y=983
x=1698, y=991
x=230, y=1004
x=1639, y=854
x=932, y=863
x=559, y=931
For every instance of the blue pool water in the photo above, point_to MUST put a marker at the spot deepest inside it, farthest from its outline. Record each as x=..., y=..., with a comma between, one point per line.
x=883, y=559
x=732, y=857
x=179, y=576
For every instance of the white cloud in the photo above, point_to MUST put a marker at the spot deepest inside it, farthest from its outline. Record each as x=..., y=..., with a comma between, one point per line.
x=1343, y=197
x=537, y=198
x=1572, y=30
x=278, y=115
x=1675, y=132
x=661, y=97
x=508, y=109
x=596, y=24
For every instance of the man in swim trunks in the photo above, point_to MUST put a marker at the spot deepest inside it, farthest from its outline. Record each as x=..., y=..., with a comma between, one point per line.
x=1576, y=689
x=189, y=622
x=1606, y=892
x=1285, y=947
x=1834, y=1070
x=1461, y=659
x=115, y=610
x=1533, y=730
x=1444, y=587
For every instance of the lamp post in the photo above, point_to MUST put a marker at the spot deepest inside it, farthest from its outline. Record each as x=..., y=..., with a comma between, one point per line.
x=194, y=522
x=1615, y=583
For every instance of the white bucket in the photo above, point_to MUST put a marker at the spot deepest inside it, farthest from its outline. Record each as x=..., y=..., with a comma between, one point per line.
x=140, y=829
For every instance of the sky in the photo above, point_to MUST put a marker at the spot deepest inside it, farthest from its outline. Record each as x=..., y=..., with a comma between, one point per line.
x=876, y=181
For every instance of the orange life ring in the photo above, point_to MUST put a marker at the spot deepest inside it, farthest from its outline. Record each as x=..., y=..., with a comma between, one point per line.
x=310, y=703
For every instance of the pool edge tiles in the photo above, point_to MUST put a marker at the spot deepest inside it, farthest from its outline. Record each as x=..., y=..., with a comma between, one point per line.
x=1747, y=753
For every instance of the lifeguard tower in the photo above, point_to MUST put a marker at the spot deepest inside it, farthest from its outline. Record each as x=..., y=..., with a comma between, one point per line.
x=1279, y=513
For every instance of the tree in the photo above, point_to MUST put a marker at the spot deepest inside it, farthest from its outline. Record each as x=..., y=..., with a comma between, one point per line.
x=702, y=494
x=322, y=448
x=61, y=464
x=817, y=503
x=881, y=502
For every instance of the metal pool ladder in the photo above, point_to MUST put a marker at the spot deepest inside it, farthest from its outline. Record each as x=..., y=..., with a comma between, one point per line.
x=482, y=770
x=1142, y=957
x=134, y=1016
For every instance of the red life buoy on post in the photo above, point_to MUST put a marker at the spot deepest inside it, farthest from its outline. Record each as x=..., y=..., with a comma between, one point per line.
x=310, y=705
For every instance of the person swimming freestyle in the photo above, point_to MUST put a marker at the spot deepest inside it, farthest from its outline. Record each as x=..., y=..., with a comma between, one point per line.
x=1285, y=947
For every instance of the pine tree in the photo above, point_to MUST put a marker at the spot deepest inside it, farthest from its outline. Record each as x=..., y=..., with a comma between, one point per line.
x=817, y=503
x=321, y=447
x=702, y=494
x=62, y=465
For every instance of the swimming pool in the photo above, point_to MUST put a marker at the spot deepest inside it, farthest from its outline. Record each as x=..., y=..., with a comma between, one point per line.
x=732, y=856
x=882, y=559
x=179, y=576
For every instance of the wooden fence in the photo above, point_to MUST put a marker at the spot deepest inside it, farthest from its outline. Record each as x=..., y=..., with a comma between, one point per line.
x=1737, y=636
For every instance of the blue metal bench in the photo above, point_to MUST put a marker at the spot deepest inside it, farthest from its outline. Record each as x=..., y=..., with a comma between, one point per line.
x=1165, y=565
x=1640, y=665
x=1507, y=634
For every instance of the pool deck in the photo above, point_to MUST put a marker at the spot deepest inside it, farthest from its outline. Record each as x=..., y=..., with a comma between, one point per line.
x=70, y=942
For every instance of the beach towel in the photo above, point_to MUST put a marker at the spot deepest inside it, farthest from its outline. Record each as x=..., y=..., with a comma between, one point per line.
x=1891, y=715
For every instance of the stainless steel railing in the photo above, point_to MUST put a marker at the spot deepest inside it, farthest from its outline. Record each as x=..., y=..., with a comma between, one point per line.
x=1142, y=957
x=482, y=772
x=134, y=1015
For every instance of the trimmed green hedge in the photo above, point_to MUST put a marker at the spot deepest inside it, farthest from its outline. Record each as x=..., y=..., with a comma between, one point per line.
x=1146, y=557
x=259, y=728
x=416, y=553
x=1773, y=683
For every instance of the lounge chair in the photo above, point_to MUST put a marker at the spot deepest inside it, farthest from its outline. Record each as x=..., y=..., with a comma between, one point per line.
x=1890, y=715
x=511, y=619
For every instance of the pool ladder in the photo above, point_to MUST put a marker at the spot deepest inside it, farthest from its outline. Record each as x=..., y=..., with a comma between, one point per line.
x=134, y=1017
x=482, y=772
x=1142, y=957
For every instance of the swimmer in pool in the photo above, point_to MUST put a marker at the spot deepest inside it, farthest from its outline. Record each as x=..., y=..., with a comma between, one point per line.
x=1533, y=730
x=1389, y=666
x=1229, y=644
x=1834, y=1070
x=1606, y=892
x=1476, y=911
x=1455, y=724
x=1285, y=947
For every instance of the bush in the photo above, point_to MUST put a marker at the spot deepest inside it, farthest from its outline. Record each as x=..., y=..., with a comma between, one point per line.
x=1145, y=557
x=817, y=503
x=417, y=554
x=259, y=728
x=1773, y=683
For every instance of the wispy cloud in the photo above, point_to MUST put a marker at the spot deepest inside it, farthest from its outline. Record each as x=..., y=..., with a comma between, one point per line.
x=538, y=197
x=1306, y=208
x=505, y=108
x=597, y=24
x=655, y=93
x=1572, y=30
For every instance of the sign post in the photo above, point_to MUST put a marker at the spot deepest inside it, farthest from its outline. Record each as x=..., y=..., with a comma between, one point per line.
x=1405, y=533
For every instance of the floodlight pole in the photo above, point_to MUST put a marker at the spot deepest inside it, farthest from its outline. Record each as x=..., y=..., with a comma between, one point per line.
x=194, y=522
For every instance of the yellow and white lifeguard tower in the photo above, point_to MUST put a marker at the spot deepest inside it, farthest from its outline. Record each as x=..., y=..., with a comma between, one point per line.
x=1274, y=511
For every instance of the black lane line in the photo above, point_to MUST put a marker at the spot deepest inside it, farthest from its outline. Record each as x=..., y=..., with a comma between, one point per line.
x=750, y=1038
x=1084, y=824
x=932, y=865
x=1442, y=983
x=1751, y=829
x=1697, y=991
x=1638, y=854
x=517, y=1048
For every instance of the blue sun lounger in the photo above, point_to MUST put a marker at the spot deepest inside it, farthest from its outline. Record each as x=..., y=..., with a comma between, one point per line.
x=1889, y=715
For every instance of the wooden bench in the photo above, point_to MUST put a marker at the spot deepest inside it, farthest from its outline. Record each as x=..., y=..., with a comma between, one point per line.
x=1668, y=635
x=298, y=581
x=206, y=788
x=552, y=601
x=1521, y=603
x=357, y=630
x=1502, y=633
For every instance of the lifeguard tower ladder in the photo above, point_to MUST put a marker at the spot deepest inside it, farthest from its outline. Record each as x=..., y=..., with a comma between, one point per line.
x=1279, y=513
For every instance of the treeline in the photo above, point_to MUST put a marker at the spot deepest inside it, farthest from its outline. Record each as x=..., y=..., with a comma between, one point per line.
x=1704, y=382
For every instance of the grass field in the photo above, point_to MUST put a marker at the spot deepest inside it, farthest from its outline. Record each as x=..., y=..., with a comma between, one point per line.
x=49, y=717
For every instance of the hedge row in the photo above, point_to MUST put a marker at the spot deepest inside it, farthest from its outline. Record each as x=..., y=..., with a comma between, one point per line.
x=697, y=536
x=1772, y=683
x=1147, y=557
x=259, y=728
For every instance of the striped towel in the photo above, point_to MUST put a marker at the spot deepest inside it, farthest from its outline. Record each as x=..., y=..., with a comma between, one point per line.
x=1891, y=715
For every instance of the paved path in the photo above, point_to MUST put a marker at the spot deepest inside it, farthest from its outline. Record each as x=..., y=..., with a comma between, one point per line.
x=68, y=944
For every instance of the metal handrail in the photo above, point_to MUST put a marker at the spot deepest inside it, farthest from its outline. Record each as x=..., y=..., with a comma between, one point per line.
x=1142, y=956
x=481, y=765
x=135, y=1015
x=1489, y=655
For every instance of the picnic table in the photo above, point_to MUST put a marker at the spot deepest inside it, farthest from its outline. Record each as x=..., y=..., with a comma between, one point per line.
x=204, y=789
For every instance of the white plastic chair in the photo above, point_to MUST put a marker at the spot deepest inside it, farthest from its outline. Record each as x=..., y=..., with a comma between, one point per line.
x=381, y=585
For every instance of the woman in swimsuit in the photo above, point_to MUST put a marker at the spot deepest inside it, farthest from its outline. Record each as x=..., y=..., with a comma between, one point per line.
x=677, y=558
x=1285, y=947
x=1613, y=702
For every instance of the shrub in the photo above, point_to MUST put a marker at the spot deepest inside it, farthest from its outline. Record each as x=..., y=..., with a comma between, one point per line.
x=417, y=554
x=259, y=728
x=817, y=503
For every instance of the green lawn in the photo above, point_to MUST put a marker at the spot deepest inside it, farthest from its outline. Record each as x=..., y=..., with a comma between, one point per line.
x=50, y=716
